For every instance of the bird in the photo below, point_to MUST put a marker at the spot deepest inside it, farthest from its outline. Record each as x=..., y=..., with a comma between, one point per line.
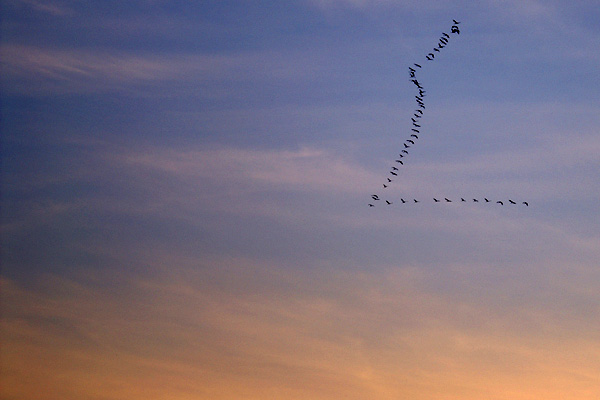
x=388, y=202
x=443, y=39
x=526, y=203
x=448, y=200
x=402, y=200
x=417, y=125
x=406, y=146
x=410, y=141
x=413, y=120
x=415, y=130
x=475, y=201
x=393, y=173
x=422, y=105
x=415, y=136
x=389, y=180
x=404, y=151
x=432, y=55
x=461, y=199
x=400, y=162
x=419, y=65
x=455, y=29
x=394, y=169
x=419, y=111
x=415, y=200
x=455, y=22
x=371, y=205
x=374, y=197
x=384, y=186
x=436, y=49
x=486, y=200
x=427, y=57
x=445, y=34
x=499, y=202
x=417, y=115
x=511, y=202
x=436, y=200
x=422, y=92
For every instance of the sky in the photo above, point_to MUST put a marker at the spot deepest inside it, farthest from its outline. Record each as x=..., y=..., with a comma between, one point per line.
x=185, y=190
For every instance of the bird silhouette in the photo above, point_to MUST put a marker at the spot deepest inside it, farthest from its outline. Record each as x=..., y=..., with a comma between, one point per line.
x=436, y=49
x=461, y=199
x=511, y=202
x=415, y=130
x=384, y=186
x=417, y=125
x=406, y=146
x=443, y=39
x=415, y=136
x=388, y=202
x=419, y=111
x=374, y=197
x=486, y=200
x=475, y=201
x=526, y=203
x=436, y=200
x=448, y=200
x=419, y=65
x=499, y=202
x=394, y=169
x=455, y=22
x=371, y=205
x=393, y=173
x=402, y=200
x=432, y=55
x=417, y=115
x=389, y=180
x=410, y=141
x=400, y=162
x=445, y=34
x=404, y=151
x=415, y=200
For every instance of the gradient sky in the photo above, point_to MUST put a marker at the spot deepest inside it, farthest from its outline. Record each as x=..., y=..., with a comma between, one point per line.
x=185, y=189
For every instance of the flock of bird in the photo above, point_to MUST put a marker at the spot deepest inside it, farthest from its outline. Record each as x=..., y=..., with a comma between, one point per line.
x=416, y=123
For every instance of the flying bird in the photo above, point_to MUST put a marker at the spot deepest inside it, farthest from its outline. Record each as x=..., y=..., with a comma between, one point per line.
x=415, y=200
x=436, y=200
x=486, y=200
x=394, y=169
x=475, y=201
x=419, y=111
x=417, y=125
x=402, y=200
x=388, y=202
x=419, y=65
x=461, y=199
x=389, y=180
x=448, y=200
x=406, y=146
x=384, y=185
x=455, y=22
x=374, y=197
x=393, y=173
x=415, y=130
x=410, y=141
x=436, y=49
x=413, y=135
x=499, y=202
x=371, y=205
x=445, y=34
x=511, y=202
x=400, y=162
x=526, y=203
x=404, y=151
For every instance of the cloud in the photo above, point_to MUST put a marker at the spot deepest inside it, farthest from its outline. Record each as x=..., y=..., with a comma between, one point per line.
x=221, y=327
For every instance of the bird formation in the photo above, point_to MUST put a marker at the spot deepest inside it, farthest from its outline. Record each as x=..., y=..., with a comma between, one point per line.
x=376, y=197
x=416, y=120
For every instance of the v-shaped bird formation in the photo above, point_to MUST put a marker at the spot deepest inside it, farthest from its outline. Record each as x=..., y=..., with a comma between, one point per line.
x=416, y=128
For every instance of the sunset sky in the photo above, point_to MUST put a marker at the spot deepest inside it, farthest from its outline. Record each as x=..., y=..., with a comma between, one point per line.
x=185, y=189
